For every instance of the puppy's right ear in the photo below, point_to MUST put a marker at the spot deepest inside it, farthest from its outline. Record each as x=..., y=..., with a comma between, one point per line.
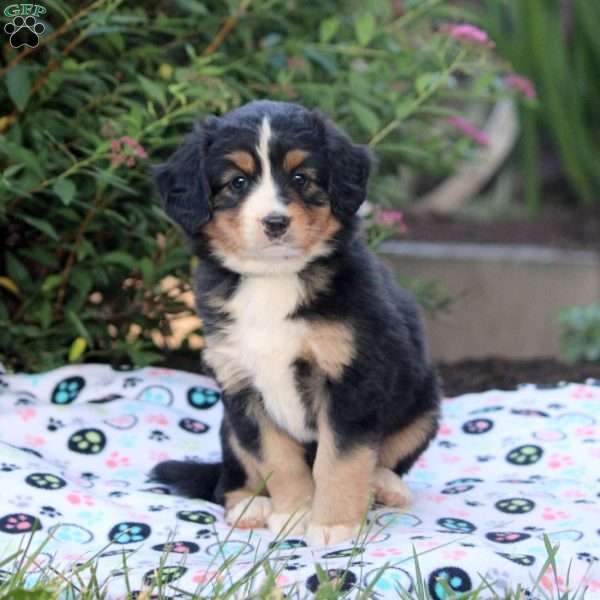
x=183, y=185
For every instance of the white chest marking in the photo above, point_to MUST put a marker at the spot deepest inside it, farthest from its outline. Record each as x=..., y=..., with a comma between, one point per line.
x=267, y=343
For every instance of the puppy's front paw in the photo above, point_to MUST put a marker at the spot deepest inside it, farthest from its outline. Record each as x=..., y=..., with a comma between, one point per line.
x=329, y=535
x=289, y=523
x=390, y=489
x=250, y=513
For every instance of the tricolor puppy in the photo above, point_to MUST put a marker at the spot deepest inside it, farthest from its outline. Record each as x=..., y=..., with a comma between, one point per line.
x=327, y=390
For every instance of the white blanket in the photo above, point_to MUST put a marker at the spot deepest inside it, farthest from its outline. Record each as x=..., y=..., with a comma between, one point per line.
x=76, y=445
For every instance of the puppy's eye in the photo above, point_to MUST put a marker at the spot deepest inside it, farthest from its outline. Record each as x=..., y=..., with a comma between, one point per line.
x=299, y=180
x=239, y=183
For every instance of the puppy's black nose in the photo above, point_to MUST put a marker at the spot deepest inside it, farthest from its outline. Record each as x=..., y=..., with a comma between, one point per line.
x=275, y=224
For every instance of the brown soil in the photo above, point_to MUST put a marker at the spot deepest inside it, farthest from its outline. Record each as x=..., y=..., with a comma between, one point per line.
x=495, y=373
x=558, y=227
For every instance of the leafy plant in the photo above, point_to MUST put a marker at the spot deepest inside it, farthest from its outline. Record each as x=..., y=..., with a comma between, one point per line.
x=556, y=44
x=115, y=84
x=580, y=333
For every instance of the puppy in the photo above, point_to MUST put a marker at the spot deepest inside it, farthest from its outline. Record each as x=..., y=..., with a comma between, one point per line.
x=327, y=390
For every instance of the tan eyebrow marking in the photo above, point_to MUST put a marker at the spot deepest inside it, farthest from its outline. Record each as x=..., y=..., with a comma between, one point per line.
x=243, y=160
x=293, y=158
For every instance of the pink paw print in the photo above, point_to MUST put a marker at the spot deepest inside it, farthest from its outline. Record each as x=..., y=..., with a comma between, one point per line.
x=158, y=419
x=35, y=440
x=19, y=522
x=27, y=413
x=582, y=392
x=79, y=499
x=445, y=429
x=117, y=460
x=387, y=552
x=549, y=514
x=559, y=461
x=450, y=458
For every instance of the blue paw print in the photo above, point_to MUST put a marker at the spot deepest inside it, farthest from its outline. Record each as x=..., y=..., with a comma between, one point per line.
x=69, y=532
x=456, y=525
x=127, y=533
x=156, y=394
x=455, y=578
x=202, y=398
x=67, y=390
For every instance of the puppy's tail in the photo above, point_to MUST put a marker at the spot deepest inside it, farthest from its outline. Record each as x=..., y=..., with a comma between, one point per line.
x=196, y=480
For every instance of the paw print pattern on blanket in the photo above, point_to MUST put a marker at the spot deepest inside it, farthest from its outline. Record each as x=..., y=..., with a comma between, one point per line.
x=507, y=469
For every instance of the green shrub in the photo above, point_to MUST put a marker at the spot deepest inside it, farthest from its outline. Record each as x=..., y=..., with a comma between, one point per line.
x=580, y=333
x=115, y=84
x=556, y=44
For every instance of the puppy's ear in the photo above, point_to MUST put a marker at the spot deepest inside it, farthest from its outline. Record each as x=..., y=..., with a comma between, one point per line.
x=349, y=168
x=183, y=185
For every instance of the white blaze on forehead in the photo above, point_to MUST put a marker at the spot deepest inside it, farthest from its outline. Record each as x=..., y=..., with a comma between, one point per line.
x=263, y=199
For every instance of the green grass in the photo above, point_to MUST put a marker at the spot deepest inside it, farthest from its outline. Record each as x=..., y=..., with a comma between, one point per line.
x=257, y=581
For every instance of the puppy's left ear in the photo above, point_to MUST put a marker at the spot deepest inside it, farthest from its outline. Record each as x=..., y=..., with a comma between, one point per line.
x=349, y=168
x=183, y=184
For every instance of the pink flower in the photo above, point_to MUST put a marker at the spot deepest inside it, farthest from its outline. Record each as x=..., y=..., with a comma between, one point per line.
x=391, y=218
x=477, y=135
x=467, y=33
x=521, y=84
x=124, y=150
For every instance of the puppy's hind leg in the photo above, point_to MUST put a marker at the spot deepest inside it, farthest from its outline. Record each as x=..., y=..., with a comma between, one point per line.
x=397, y=454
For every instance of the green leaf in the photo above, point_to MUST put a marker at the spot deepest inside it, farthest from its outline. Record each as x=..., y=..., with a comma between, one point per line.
x=42, y=225
x=117, y=257
x=77, y=323
x=51, y=282
x=153, y=89
x=366, y=117
x=328, y=29
x=17, y=272
x=18, y=85
x=77, y=349
x=65, y=190
x=364, y=26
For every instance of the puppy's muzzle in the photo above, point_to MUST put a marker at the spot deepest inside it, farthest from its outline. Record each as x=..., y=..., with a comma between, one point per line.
x=275, y=225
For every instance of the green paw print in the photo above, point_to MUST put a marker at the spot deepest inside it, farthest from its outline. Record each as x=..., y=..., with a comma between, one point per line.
x=67, y=390
x=163, y=575
x=45, y=481
x=87, y=441
x=524, y=455
x=196, y=516
x=515, y=506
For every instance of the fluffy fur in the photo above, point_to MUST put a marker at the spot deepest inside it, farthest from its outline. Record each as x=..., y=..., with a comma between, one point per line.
x=327, y=389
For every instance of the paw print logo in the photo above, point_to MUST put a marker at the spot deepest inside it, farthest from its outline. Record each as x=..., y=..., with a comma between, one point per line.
x=202, y=398
x=524, y=455
x=78, y=499
x=457, y=489
x=515, y=506
x=193, y=425
x=177, y=547
x=19, y=523
x=50, y=511
x=128, y=532
x=387, y=583
x=456, y=525
x=200, y=517
x=477, y=426
x=163, y=575
x=453, y=577
x=54, y=424
x=24, y=31
x=587, y=557
x=205, y=534
x=71, y=533
x=68, y=389
x=506, y=537
x=158, y=435
x=550, y=514
x=8, y=467
x=559, y=461
x=157, y=395
x=45, y=481
x=87, y=441
x=117, y=460
x=343, y=579
x=525, y=560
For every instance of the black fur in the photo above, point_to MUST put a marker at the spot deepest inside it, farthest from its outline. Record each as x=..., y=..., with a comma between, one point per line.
x=390, y=382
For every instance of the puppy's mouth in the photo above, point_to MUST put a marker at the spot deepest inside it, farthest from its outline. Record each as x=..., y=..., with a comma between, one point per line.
x=276, y=250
